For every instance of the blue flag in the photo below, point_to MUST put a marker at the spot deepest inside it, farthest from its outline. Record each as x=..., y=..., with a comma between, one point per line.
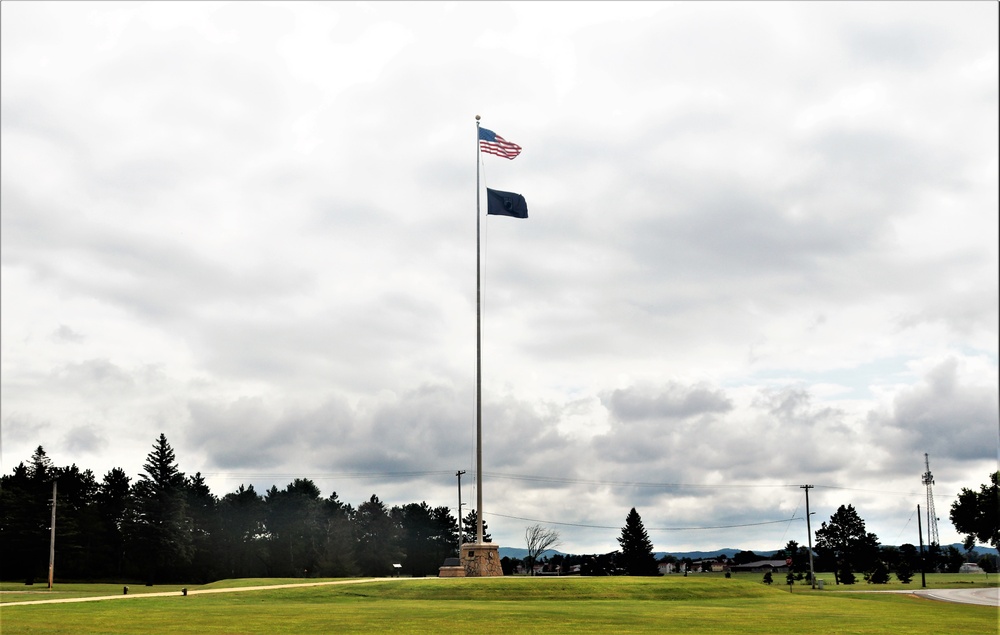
x=506, y=204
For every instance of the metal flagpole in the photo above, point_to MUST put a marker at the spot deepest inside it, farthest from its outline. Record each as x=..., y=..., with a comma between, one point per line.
x=479, y=365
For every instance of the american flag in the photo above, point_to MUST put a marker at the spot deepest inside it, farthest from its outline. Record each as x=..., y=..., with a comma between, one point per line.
x=493, y=143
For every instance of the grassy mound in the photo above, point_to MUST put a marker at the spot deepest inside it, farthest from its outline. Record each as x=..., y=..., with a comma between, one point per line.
x=565, y=589
x=697, y=605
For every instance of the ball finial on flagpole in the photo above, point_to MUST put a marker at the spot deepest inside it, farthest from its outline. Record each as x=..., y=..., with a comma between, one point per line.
x=477, y=117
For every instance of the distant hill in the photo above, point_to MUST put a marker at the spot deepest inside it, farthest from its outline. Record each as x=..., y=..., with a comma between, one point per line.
x=514, y=552
x=706, y=555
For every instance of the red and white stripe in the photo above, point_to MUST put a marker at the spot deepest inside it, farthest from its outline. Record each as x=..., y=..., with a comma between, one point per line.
x=501, y=147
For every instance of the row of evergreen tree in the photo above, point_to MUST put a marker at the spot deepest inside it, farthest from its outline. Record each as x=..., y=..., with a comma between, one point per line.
x=167, y=526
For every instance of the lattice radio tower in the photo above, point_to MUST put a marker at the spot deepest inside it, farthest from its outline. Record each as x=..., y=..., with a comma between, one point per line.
x=928, y=480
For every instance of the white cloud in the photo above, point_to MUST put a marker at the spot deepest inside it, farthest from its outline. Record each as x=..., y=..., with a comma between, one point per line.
x=762, y=252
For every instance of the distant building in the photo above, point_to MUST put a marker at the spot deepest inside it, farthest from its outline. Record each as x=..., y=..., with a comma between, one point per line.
x=970, y=567
x=761, y=566
x=710, y=564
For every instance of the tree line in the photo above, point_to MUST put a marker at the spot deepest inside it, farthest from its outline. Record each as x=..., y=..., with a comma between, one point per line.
x=167, y=526
x=844, y=547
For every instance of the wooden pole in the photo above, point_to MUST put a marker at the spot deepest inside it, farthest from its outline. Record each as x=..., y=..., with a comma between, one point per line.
x=923, y=561
x=52, y=536
x=812, y=572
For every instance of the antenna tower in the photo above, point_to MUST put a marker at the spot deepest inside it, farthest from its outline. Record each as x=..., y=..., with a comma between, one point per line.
x=928, y=480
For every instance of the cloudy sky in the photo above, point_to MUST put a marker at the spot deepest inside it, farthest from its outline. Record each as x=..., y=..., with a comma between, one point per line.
x=762, y=252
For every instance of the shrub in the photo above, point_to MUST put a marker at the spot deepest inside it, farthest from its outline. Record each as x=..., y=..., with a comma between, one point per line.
x=878, y=575
x=846, y=576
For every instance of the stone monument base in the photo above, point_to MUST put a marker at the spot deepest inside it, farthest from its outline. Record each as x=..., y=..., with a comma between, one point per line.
x=451, y=572
x=481, y=560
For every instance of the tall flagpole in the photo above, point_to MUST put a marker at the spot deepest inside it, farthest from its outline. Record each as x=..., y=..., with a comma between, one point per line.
x=479, y=364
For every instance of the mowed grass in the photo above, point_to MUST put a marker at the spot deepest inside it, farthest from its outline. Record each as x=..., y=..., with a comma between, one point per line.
x=674, y=604
x=19, y=592
x=934, y=581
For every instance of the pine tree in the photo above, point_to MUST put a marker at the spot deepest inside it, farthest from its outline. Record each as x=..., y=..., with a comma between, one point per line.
x=469, y=529
x=241, y=534
x=163, y=530
x=338, y=542
x=878, y=575
x=636, y=549
x=202, y=509
x=908, y=563
x=428, y=535
x=41, y=465
x=115, y=506
x=295, y=526
x=24, y=519
x=161, y=467
x=377, y=538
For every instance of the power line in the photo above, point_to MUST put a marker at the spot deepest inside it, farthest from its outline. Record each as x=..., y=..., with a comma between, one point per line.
x=870, y=491
x=553, y=479
x=326, y=476
x=907, y=524
x=576, y=481
x=493, y=475
x=789, y=521
x=554, y=522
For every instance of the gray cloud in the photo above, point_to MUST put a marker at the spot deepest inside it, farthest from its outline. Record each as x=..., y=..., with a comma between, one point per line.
x=67, y=334
x=761, y=252
x=85, y=439
x=95, y=375
x=944, y=415
x=673, y=401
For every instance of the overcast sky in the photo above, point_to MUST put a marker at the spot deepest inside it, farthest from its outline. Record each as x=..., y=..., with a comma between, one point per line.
x=761, y=252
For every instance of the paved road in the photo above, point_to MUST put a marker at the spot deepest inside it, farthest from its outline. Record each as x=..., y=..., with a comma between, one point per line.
x=981, y=596
x=985, y=597
x=200, y=591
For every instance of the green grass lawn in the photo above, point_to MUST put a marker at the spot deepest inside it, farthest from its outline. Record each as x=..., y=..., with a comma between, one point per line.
x=698, y=604
x=934, y=581
x=18, y=592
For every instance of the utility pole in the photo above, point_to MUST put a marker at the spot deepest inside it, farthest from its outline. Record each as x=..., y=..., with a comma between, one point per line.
x=923, y=562
x=812, y=573
x=459, y=475
x=52, y=536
